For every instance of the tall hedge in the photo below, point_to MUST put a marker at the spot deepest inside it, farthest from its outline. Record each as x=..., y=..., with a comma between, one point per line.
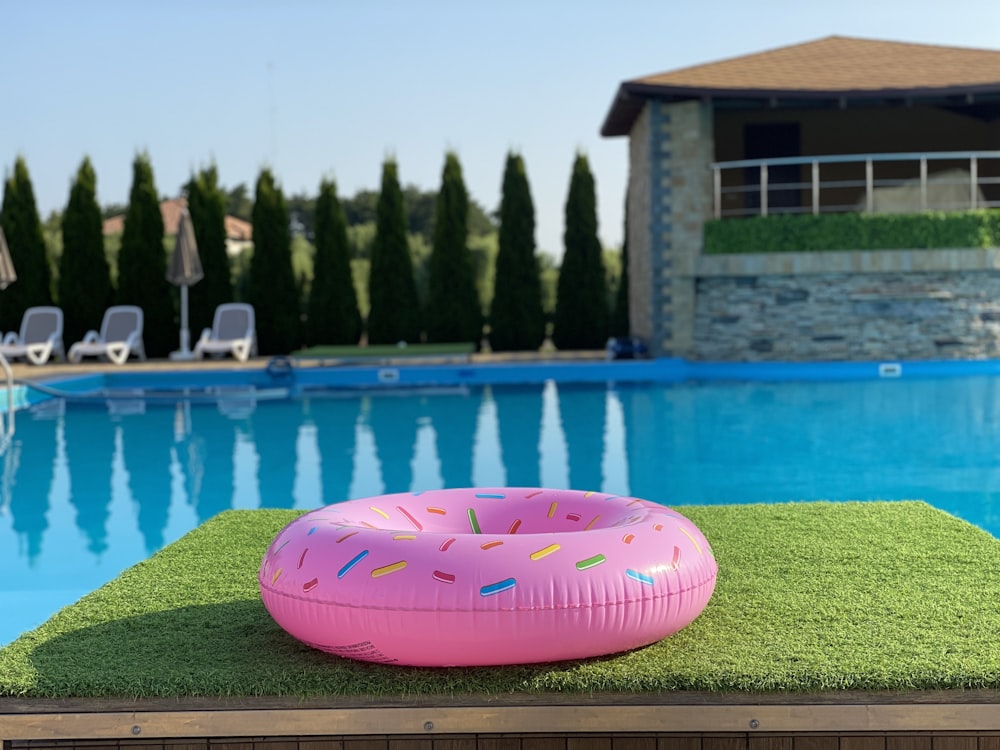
x=142, y=263
x=85, y=290
x=207, y=206
x=271, y=284
x=517, y=319
x=852, y=231
x=394, y=314
x=23, y=230
x=581, y=319
x=454, y=311
x=332, y=311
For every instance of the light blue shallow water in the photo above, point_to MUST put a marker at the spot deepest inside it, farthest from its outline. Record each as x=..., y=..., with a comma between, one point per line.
x=89, y=489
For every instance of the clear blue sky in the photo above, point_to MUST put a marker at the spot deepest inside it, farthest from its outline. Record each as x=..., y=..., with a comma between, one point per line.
x=314, y=88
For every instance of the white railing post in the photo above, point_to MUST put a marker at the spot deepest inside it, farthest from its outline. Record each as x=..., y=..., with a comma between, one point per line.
x=973, y=182
x=815, y=187
x=923, y=183
x=869, y=186
x=763, y=189
x=717, y=182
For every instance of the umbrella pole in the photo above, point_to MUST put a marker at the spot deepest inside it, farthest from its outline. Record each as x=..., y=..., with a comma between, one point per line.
x=185, y=350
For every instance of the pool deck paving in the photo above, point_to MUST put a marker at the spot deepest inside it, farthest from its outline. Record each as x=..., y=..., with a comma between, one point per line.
x=55, y=370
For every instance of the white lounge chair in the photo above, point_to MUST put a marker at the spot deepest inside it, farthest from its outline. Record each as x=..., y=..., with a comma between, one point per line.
x=120, y=337
x=233, y=332
x=40, y=338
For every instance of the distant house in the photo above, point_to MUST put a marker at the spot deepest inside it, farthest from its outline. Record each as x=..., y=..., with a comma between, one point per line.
x=239, y=233
x=834, y=125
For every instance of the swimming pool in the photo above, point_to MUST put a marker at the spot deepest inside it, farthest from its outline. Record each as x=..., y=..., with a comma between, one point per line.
x=99, y=480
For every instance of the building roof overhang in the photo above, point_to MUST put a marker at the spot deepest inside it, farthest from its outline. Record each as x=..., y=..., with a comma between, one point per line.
x=870, y=74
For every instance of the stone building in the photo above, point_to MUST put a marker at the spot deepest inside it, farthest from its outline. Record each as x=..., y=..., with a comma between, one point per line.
x=835, y=125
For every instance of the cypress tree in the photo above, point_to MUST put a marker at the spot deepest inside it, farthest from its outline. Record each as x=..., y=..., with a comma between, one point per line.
x=207, y=206
x=271, y=284
x=581, y=319
x=454, y=311
x=23, y=230
x=85, y=290
x=620, y=324
x=392, y=290
x=332, y=310
x=517, y=320
x=142, y=263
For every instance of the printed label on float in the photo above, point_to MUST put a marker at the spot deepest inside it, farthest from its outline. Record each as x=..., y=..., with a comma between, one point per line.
x=365, y=650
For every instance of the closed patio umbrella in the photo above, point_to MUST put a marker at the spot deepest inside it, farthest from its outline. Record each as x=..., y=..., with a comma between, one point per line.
x=7, y=273
x=185, y=271
x=7, y=277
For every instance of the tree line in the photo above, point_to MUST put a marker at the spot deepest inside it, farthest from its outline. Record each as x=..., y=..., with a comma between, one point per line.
x=396, y=265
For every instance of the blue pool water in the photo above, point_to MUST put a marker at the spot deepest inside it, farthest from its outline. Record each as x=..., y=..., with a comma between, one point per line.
x=92, y=486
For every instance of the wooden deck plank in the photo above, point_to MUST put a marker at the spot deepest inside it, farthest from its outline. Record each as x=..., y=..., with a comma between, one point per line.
x=571, y=720
x=909, y=742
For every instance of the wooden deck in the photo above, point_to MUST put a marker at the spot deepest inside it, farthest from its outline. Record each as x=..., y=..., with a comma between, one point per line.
x=939, y=720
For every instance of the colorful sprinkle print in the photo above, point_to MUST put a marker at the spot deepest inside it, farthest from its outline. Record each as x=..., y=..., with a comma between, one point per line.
x=449, y=555
x=353, y=561
x=387, y=569
x=544, y=552
x=591, y=562
x=495, y=588
x=635, y=575
x=474, y=522
x=406, y=514
x=694, y=541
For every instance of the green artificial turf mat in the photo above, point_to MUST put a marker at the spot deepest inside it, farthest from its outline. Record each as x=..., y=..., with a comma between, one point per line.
x=810, y=597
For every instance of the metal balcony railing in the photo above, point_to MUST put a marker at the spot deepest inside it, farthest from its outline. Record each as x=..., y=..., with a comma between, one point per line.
x=845, y=183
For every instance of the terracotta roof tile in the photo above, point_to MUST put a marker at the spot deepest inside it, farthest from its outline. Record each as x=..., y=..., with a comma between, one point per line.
x=170, y=210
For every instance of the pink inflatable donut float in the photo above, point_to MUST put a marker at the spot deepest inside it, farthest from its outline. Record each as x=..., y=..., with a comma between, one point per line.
x=468, y=577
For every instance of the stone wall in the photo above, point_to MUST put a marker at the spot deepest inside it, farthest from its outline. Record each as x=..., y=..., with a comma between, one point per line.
x=670, y=197
x=640, y=276
x=881, y=306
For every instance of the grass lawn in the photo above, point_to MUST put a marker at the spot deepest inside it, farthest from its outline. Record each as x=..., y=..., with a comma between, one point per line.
x=810, y=597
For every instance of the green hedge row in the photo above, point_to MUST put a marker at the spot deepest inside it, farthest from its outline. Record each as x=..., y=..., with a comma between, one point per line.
x=788, y=233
